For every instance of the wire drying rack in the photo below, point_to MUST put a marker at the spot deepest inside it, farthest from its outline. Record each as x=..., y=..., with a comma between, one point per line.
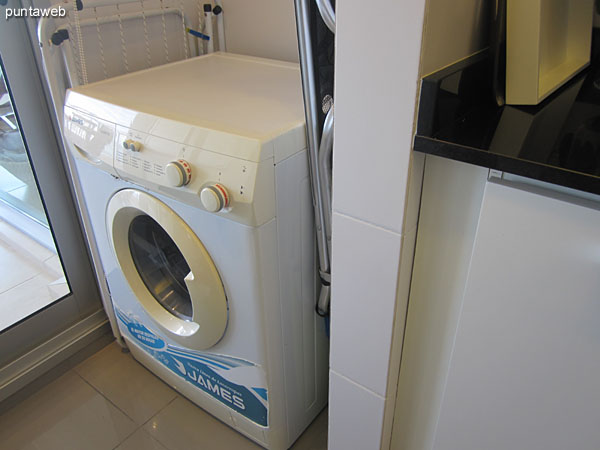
x=99, y=39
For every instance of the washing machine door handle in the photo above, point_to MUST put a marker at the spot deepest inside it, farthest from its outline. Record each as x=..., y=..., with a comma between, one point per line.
x=189, y=282
x=208, y=314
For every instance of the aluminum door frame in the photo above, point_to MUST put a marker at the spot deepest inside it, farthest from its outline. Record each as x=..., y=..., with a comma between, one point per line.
x=34, y=118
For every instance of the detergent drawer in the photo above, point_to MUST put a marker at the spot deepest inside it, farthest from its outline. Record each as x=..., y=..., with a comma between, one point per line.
x=89, y=138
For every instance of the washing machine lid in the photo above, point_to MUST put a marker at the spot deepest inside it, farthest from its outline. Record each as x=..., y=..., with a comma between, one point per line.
x=228, y=104
x=168, y=268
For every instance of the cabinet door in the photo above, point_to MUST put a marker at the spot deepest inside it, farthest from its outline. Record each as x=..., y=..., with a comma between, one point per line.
x=525, y=371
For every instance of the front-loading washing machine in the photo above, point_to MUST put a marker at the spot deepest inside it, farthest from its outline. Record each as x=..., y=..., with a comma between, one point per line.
x=196, y=181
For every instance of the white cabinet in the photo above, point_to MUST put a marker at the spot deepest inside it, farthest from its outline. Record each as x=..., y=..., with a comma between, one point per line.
x=525, y=367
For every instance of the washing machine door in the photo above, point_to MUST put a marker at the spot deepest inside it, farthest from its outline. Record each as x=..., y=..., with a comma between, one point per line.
x=168, y=269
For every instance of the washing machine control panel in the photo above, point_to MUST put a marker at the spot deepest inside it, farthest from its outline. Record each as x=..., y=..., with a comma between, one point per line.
x=217, y=182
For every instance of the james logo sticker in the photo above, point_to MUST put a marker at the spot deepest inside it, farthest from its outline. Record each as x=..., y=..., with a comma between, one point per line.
x=234, y=382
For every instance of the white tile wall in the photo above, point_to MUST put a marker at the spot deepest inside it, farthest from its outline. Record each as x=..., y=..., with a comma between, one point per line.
x=376, y=195
x=375, y=92
x=362, y=307
x=355, y=416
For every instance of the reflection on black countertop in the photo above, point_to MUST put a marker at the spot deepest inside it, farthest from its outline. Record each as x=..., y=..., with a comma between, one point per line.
x=557, y=141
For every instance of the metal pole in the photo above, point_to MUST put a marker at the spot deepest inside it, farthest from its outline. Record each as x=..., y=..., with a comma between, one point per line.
x=313, y=135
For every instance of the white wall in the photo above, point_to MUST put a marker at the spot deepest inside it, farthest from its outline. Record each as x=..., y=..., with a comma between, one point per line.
x=265, y=28
x=453, y=30
x=375, y=213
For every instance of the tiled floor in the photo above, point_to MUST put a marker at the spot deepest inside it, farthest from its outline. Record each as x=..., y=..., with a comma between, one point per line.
x=109, y=401
x=31, y=276
x=17, y=183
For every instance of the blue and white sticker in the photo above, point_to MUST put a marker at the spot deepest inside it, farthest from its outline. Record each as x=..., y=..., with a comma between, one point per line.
x=237, y=383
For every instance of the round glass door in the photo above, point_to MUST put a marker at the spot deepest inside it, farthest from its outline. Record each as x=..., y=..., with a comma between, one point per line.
x=167, y=268
x=161, y=265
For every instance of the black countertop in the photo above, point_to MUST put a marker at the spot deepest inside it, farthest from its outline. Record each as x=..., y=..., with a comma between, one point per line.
x=557, y=141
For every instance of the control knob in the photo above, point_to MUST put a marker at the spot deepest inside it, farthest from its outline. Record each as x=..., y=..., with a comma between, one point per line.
x=179, y=173
x=132, y=145
x=214, y=197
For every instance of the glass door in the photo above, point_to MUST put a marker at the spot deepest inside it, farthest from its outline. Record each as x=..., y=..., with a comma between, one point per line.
x=32, y=273
x=161, y=265
x=18, y=187
x=47, y=284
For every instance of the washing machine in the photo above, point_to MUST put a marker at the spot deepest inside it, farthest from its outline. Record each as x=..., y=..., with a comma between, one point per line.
x=196, y=180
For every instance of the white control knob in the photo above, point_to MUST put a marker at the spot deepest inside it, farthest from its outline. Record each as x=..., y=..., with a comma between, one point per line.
x=214, y=197
x=179, y=173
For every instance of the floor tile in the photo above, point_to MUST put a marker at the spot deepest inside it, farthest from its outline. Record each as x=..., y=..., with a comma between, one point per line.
x=55, y=373
x=126, y=383
x=182, y=425
x=58, y=288
x=28, y=297
x=8, y=181
x=35, y=231
x=15, y=269
x=141, y=440
x=315, y=436
x=54, y=266
x=17, y=240
x=66, y=414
